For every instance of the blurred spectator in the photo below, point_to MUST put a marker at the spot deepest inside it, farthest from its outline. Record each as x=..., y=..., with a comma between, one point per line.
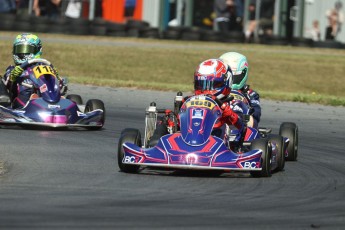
x=73, y=9
x=235, y=22
x=36, y=8
x=129, y=8
x=23, y=7
x=222, y=11
x=314, y=32
x=48, y=8
x=203, y=14
x=239, y=8
x=335, y=20
x=252, y=23
x=266, y=17
x=53, y=9
x=8, y=6
x=239, y=13
x=99, y=9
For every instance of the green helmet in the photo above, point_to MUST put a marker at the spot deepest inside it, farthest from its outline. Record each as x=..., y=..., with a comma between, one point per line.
x=26, y=46
x=239, y=65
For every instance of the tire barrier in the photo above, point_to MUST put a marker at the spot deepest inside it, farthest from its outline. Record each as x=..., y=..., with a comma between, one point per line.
x=142, y=29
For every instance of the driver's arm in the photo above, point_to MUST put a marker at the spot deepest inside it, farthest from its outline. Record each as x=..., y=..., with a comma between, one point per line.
x=15, y=73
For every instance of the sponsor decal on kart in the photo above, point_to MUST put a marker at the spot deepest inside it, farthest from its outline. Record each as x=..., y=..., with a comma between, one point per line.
x=129, y=159
x=43, y=88
x=250, y=165
x=54, y=106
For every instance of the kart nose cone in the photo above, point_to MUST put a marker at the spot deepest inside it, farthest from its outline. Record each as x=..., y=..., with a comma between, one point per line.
x=51, y=118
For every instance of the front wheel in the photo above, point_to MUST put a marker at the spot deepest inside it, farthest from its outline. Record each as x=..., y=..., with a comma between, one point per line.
x=290, y=130
x=92, y=105
x=161, y=130
x=266, y=147
x=128, y=136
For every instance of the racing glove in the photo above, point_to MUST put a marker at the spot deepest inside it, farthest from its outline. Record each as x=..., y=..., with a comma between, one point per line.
x=15, y=73
x=63, y=86
x=231, y=116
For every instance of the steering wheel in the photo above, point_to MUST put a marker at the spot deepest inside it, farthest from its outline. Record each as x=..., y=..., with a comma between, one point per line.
x=30, y=62
x=219, y=101
x=34, y=61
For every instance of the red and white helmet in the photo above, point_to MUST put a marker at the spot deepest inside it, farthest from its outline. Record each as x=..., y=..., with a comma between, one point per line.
x=213, y=77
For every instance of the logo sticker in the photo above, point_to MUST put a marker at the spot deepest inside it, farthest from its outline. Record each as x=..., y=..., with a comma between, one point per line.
x=43, y=88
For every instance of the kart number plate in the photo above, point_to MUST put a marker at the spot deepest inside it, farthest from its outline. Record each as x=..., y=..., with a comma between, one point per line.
x=239, y=97
x=43, y=69
x=200, y=103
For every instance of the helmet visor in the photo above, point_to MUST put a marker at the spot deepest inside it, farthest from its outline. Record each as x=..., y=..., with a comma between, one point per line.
x=24, y=49
x=239, y=77
x=209, y=84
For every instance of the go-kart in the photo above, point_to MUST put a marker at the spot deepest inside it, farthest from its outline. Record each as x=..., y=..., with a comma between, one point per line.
x=288, y=131
x=47, y=107
x=194, y=146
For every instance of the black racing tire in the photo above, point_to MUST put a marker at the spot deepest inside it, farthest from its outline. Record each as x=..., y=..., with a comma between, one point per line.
x=161, y=130
x=190, y=35
x=139, y=24
x=58, y=29
x=75, y=98
x=290, y=130
x=133, y=32
x=210, y=35
x=7, y=25
x=132, y=136
x=173, y=33
x=42, y=27
x=115, y=27
x=78, y=30
x=23, y=26
x=98, y=30
x=302, y=42
x=10, y=17
x=149, y=33
x=232, y=37
x=99, y=22
x=279, y=142
x=328, y=44
x=78, y=22
x=94, y=104
x=266, y=147
x=117, y=33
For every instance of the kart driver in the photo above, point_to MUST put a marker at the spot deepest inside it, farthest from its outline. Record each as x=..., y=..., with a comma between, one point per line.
x=240, y=68
x=214, y=77
x=26, y=46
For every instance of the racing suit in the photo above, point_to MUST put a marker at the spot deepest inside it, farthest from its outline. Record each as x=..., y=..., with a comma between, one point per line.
x=254, y=102
x=232, y=116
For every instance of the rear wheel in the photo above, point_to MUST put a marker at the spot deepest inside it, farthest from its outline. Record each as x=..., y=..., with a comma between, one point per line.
x=266, y=148
x=75, y=98
x=128, y=136
x=92, y=105
x=290, y=130
x=278, y=141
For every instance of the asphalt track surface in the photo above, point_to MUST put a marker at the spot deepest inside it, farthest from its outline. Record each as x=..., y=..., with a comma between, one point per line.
x=70, y=179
